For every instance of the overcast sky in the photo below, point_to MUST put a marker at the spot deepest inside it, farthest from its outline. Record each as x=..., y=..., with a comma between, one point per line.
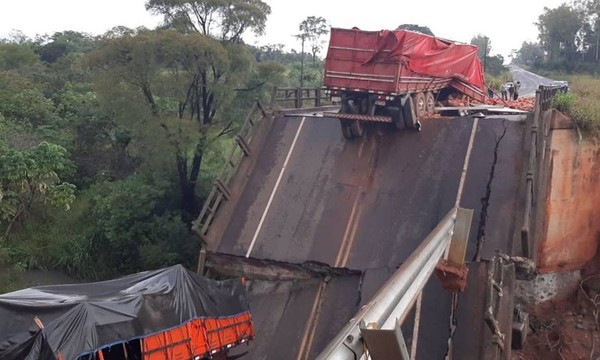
x=506, y=22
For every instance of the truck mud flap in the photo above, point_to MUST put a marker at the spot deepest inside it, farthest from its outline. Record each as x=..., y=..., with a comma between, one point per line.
x=409, y=113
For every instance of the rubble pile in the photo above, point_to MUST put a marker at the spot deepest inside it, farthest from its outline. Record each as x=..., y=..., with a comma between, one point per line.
x=525, y=103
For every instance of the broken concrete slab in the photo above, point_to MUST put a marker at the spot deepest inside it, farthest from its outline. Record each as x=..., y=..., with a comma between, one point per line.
x=545, y=287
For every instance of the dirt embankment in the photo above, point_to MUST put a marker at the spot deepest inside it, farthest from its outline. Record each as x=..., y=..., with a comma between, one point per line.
x=572, y=206
x=568, y=327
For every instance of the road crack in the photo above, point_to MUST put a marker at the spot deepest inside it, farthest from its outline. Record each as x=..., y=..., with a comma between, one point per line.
x=485, y=201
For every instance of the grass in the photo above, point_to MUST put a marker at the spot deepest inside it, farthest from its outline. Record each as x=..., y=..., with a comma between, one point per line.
x=496, y=82
x=582, y=103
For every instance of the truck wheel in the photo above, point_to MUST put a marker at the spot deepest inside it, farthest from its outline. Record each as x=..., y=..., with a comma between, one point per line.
x=420, y=105
x=429, y=103
x=357, y=128
x=408, y=112
x=397, y=116
x=346, y=129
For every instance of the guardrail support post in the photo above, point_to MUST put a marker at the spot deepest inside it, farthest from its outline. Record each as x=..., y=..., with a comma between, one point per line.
x=460, y=238
x=298, y=98
x=223, y=189
x=243, y=145
x=317, y=97
x=201, y=261
x=385, y=344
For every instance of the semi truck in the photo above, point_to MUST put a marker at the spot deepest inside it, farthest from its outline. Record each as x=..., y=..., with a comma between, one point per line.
x=396, y=76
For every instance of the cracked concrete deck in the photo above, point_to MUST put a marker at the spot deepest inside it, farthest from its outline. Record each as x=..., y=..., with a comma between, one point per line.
x=365, y=205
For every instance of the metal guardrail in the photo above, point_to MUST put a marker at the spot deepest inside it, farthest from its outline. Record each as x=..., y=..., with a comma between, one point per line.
x=392, y=303
x=221, y=188
x=297, y=97
x=544, y=97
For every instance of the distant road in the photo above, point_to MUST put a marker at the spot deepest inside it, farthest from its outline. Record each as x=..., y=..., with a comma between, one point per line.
x=529, y=81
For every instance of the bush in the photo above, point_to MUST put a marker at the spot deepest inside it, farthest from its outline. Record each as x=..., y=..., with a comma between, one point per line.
x=564, y=102
x=113, y=228
x=581, y=103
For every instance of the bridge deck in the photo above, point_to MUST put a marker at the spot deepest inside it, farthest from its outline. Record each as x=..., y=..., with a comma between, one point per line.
x=366, y=205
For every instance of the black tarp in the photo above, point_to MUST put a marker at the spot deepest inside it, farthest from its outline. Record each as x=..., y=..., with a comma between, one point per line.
x=81, y=318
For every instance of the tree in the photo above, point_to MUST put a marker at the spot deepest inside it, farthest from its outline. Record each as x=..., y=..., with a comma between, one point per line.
x=30, y=176
x=589, y=35
x=23, y=100
x=14, y=56
x=416, y=28
x=184, y=79
x=484, y=44
x=530, y=53
x=312, y=29
x=558, y=31
x=226, y=20
x=493, y=64
x=63, y=43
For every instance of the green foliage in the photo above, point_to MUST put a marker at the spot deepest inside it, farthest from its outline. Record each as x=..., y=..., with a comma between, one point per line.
x=30, y=176
x=416, y=28
x=496, y=81
x=225, y=20
x=129, y=230
x=581, y=102
x=312, y=29
x=530, y=54
x=8, y=275
x=494, y=64
x=586, y=109
x=484, y=45
x=141, y=121
x=15, y=56
x=568, y=39
x=23, y=100
x=53, y=48
x=558, y=29
x=564, y=102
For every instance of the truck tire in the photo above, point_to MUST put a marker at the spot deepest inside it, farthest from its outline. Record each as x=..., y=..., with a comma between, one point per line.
x=430, y=103
x=409, y=113
x=420, y=105
x=353, y=128
x=395, y=112
x=346, y=131
x=357, y=128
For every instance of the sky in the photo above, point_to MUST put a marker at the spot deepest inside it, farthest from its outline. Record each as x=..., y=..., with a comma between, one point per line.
x=507, y=23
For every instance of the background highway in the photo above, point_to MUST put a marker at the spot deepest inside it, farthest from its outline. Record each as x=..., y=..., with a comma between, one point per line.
x=529, y=81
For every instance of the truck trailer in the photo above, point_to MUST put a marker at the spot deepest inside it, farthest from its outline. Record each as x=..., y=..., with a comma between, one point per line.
x=396, y=76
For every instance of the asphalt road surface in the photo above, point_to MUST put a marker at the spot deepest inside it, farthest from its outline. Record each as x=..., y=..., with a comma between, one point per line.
x=529, y=81
x=366, y=204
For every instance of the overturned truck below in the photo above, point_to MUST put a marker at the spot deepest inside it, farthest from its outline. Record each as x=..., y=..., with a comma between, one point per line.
x=154, y=315
x=396, y=76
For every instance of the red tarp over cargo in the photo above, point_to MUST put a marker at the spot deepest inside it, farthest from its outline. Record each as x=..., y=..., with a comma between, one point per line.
x=371, y=53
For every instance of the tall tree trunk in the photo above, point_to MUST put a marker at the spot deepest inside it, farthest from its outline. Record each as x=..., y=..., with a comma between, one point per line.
x=187, y=182
x=597, y=43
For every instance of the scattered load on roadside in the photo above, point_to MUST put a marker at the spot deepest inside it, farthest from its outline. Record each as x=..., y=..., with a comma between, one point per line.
x=524, y=103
